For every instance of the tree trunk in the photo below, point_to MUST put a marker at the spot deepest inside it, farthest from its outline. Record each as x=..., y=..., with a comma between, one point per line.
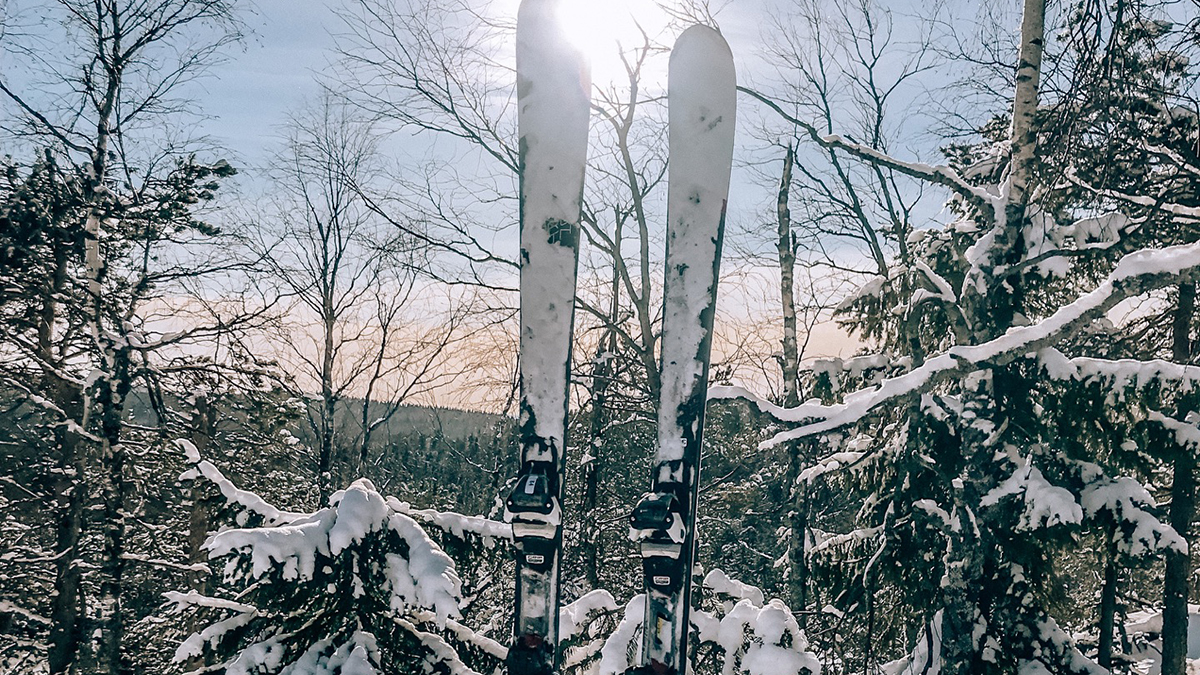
x=798, y=570
x=591, y=467
x=869, y=641
x=199, y=520
x=112, y=387
x=964, y=579
x=328, y=407
x=70, y=495
x=601, y=380
x=70, y=489
x=789, y=366
x=112, y=393
x=990, y=393
x=1183, y=508
x=789, y=363
x=1025, y=100
x=1108, y=609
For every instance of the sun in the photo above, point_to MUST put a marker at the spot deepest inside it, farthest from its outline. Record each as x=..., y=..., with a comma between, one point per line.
x=602, y=28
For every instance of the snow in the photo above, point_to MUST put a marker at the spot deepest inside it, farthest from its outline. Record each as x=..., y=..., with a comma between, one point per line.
x=1148, y=267
x=439, y=655
x=10, y=608
x=776, y=645
x=232, y=494
x=194, y=599
x=455, y=523
x=769, y=628
x=829, y=464
x=413, y=573
x=721, y=584
x=621, y=649
x=840, y=371
x=258, y=657
x=553, y=109
x=1046, y=505
x=1144, y=629
x=1046, y=237
x=873, y=288
x=1117, y=374
x=944, y=291
x=575, y=618
x=925, y=656
x=702, y=104
x=425, y=579
x=576, y=615
x=1186, y=433
x=769, y=657
x=1123, y=499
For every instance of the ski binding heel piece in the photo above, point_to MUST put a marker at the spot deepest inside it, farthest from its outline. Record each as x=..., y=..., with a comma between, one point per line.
x=657, y=525
x=532, y=509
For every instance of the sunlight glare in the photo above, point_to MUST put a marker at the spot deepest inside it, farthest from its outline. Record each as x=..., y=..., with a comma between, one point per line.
x=602, y=28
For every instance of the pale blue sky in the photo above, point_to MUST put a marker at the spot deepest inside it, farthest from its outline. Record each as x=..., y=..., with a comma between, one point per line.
x=248, y=97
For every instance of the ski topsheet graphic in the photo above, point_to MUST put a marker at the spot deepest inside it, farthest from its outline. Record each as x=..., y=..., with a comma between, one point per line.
x=553, y=106
x=701, y=99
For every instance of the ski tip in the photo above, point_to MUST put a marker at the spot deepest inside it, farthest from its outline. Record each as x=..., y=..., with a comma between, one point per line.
x=543, y=44
x=702, y=42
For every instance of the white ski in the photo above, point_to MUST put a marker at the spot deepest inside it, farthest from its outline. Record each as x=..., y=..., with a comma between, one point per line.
x=702, y=101
x=553, y=109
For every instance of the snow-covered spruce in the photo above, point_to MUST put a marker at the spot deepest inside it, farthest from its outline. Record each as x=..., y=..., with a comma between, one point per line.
x=744, y=634
x=355, y=588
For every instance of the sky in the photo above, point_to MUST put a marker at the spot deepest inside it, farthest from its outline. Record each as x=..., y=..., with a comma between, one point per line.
x=248, y=97
x=289, y=50
x=291, y=45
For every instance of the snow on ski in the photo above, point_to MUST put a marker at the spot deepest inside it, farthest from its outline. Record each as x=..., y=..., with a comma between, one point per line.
x=701, y=98
x=553, y=107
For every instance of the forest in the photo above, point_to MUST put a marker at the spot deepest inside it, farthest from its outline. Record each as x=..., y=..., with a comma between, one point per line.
x=260, y=411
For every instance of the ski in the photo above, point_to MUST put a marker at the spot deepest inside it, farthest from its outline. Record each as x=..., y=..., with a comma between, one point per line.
x=553, y=108
x=701, y=101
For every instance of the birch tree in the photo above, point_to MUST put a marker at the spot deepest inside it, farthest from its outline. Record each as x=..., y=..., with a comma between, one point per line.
x=115, y=70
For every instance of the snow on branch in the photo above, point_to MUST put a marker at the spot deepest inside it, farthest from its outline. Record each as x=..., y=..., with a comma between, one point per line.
x=1120, y=373
x=755, y=637
x=1125, y=502
x=721, y=584
x=578, y=623
x=455, y=523
x=345, y=590
x=1136, y=273
x=249, y=501
x=1043, y=504
x=438, y=651
x=1186, y=433
x=1177, y=210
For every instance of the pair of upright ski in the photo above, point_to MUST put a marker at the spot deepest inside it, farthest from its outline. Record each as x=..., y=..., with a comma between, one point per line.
x=553, y=103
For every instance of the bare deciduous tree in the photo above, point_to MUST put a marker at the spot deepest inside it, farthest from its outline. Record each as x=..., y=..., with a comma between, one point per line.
x=363, y=324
